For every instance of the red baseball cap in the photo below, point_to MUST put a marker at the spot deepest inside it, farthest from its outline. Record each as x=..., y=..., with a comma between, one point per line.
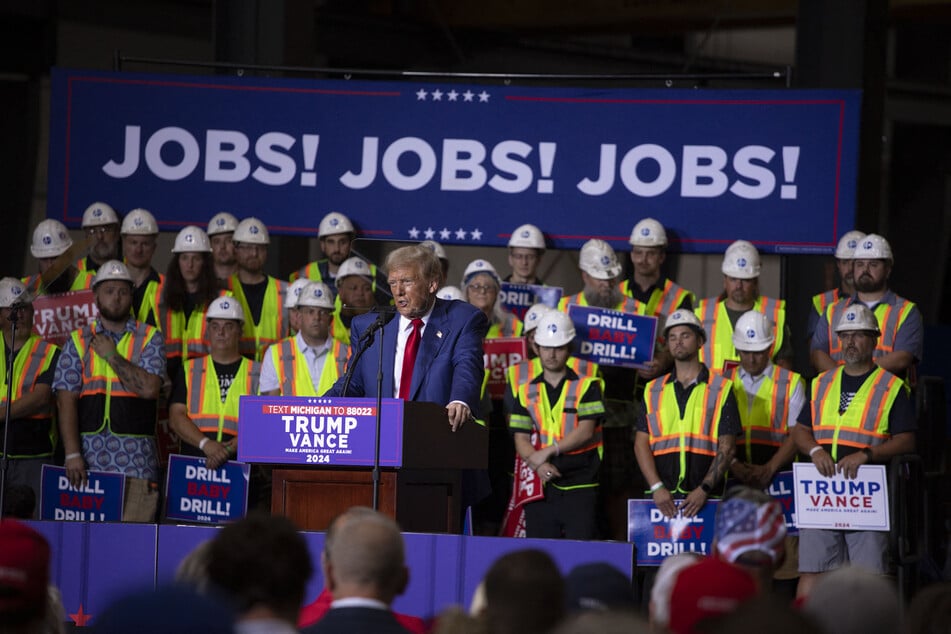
x=24, y=569
x=707, y=589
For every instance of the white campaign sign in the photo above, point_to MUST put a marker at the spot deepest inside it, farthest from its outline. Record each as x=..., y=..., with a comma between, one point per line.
x=838, y=503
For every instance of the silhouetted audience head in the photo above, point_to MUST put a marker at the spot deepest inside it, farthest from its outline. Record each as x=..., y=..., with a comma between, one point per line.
x=930, y=611
x=175, y=608
x=262, y=564
x=750, y=531
x=603, y=622
x=850, y=600
x=598, y=586
x=24, y=576
x=764, y=613
x=193, y=568
x=524, y=593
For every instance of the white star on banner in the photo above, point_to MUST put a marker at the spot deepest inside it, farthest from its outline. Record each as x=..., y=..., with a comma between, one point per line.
x=453, y=95
x=460, y=234
x=444, y=233
x=476, y=234
x=437, y=95
x=429, y=233
x=467, y=95
x=414, y=233
x=421, y=95
x=483, y=97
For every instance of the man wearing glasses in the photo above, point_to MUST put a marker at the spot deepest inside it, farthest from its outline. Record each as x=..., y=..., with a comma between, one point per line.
x=101, y=226
x=431, y=352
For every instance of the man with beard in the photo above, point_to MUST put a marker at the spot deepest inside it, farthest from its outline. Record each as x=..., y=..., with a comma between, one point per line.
x=687, y=438
x=860, y=414
x=844, y=266
x=107, y=383
x=900, y=345
x=354, y=296
x=221, y=231
x=101, y=226
x=139, y=238
x=260, y=295
x=50, y=241
x=647, y=284
x=741, y=267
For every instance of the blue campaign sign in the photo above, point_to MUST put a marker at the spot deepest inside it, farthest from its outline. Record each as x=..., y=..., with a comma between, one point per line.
x=195, y=493
x=99, y=500
x=776, y=167
x=657, y=537
x=781, y=489
x=610, y=337
x=518, y=298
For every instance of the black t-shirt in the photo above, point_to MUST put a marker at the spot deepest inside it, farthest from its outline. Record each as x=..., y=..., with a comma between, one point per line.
x=634, y=291
x=254, y=293
x=226, y=373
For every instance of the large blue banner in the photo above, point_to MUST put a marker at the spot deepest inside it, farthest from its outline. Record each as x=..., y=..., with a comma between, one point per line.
x=461, y=164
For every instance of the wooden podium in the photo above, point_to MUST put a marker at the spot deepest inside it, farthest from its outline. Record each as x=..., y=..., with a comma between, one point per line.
x=424, y=495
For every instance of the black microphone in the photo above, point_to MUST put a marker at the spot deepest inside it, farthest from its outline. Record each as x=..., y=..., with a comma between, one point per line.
x=384, y=314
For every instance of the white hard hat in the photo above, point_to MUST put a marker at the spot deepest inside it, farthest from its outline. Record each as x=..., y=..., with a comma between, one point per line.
x=251, y=231
x=139, y=222
x=316, y=294
x=527, y=236
x=857, y=317
x=847, y=243
x=294, y=289
x=222, y=222
x=435, y=247
x=353, y=266
x=554, y=329
x=449, y=293
x=192, y=240
x=334, y=223
x=480, y=266
x=13, y=291
x=112, y=270
x=225, y=308
x=534, y=315
x=741, y=261
x=598, y=260
x=98, y=214
x=50, y=239
x=753, y=332
x=684, y=317
x=648, y=233
x=872, y=247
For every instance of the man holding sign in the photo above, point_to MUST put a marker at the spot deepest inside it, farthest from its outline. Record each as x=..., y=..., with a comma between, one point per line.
x=860, y=414
x=687, y=438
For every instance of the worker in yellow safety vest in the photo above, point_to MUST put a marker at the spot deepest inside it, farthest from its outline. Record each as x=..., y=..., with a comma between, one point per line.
x=101, y=226
x=221, y=233
x=659, y=294
x=844, y=250
x=139, y=238
x=50, y=241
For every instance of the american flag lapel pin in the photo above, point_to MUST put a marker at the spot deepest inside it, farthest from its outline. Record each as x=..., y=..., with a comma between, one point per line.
x=439, y=334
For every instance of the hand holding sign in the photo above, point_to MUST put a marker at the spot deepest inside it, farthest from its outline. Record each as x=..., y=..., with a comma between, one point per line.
x=664, y=501
x=849, y=466
x=76, y=470
x=823, y=462
x=216, y=453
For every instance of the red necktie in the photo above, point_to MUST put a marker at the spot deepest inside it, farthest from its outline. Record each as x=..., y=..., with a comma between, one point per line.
x=409, y=359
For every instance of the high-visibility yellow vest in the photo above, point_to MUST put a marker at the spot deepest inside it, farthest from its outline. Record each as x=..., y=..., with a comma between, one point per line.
x=865, y=420
x=185, y=337
x=662, y=301
x=293, y=371
x=527, y=370
x=216, y=419
x=890, y=318
x=716, y=321
x=628, y=305
x=822, y=301
x=765, y=418
x=31, y=436
x=150, y=301
x=81, y=282
x=104, y=402
x=255, y=338
x=510, y=327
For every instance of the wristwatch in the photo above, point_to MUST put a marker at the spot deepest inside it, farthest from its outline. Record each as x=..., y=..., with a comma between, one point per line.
x=706, y=488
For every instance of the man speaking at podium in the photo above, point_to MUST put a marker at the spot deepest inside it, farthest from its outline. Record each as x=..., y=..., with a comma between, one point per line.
x=431, y=352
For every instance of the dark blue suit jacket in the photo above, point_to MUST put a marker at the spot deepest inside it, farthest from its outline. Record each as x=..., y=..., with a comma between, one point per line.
x=449, y=363
x=356, y=620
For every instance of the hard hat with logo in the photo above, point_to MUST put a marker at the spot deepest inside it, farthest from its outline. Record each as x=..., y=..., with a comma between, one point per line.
x=480, y=266
x=354, y=266
x=98, y=214
x=753, y=332
x=857, y=317
x=225, y=307
x=598, y=260
x=435, y=247
x=683, y=317
x=449, y=293
x=192, y=239
x=648, y=233
x=555, y=329
x=847, y=243
x=316, y=294
x=13, y=291
x=534, y=315
x=222, y=222
x=334, y=223
x=293, y=292
x=139, y=222
x=872, y=247
x=527, y=236
x=113, y=270
x=50, y=239
x=251, y=231
x=741, y=261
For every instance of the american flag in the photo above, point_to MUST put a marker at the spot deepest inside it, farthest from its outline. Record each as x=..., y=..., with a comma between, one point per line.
x=743, y=526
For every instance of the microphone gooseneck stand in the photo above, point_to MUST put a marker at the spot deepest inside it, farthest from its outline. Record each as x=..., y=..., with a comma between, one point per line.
x=4, y=461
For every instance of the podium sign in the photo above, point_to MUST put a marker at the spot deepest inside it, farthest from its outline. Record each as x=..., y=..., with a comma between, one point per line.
x=304, y=430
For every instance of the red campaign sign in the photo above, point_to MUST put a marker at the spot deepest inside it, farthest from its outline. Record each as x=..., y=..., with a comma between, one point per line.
x=499, y=354
x=55, y=316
